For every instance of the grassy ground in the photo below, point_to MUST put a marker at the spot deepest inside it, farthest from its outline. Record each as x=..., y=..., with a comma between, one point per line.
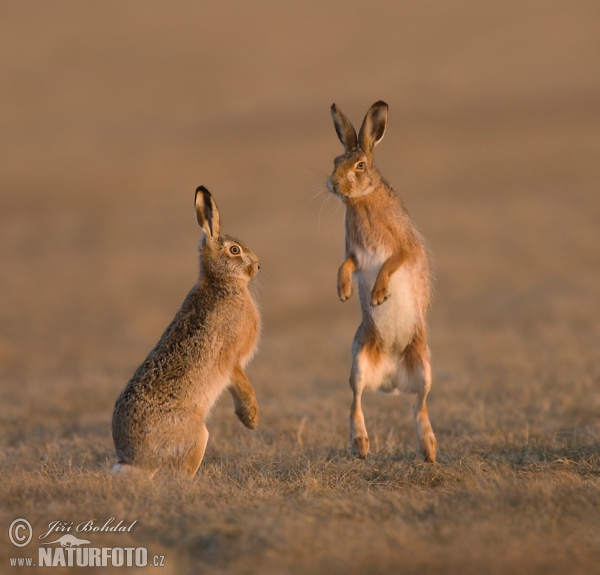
x=289, y=499
x=109, y=124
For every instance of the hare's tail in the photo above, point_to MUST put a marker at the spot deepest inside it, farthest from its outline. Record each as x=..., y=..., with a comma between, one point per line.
x=127, y=470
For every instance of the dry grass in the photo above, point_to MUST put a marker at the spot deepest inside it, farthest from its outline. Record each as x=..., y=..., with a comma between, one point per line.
x=515, y=490
x=109, y=124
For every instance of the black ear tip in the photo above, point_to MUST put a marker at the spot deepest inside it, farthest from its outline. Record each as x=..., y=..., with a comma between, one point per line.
x=380, y=104
x=202, y=190
x=333, y=108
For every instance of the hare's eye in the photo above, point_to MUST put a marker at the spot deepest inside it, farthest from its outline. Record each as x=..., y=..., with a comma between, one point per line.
x=360, y=166
x=235, y=250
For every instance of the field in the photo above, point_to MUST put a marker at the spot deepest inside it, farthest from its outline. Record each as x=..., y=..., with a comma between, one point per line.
x=110, y=117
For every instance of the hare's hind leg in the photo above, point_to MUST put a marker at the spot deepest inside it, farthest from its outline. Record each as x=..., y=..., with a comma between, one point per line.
x=359, y=440
x=178, y=443
x=418, y=373
x=196, y=453
x=368, y=370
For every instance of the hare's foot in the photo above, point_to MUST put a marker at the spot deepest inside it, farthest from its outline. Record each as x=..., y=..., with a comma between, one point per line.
x=344, y=290
x=344, y=283
x=429, y=447
x=244, y=398
x=121, y=469
x=248, y=414
x=360, y=447
x=379, y=294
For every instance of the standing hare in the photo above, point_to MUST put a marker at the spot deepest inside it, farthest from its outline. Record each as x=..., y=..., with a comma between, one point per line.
x=159, y=418
x=383, y=249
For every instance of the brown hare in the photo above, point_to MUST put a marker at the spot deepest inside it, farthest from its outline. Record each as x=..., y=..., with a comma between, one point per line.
x=159, y=418
x=385, y=252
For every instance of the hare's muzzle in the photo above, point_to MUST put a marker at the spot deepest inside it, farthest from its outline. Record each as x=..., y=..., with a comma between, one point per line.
x=253, y=269
x=331, y=186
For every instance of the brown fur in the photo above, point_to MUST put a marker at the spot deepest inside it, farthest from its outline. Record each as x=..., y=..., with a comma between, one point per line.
x=388, y=352
x=159, y=418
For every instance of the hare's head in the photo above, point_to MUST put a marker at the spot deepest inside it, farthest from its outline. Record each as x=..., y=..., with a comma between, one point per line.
x=221, y=256
x=353, y=174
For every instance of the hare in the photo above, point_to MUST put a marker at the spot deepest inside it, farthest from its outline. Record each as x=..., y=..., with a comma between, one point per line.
x=385, y=252
x=159, y=418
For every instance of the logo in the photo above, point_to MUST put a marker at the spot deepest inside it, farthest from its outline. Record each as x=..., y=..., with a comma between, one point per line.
x=70, y=554
x=71, y=551
x=68, y=540
x=20, y=532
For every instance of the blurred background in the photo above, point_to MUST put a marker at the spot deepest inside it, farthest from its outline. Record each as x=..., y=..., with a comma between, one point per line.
x=112, y=113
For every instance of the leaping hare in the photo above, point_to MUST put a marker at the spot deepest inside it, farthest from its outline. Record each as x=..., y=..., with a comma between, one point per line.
x=390, y=351
x=159, y=418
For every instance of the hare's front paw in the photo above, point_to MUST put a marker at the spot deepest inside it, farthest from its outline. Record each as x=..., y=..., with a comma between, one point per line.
x=379, y=294
x=248, y=415
x=344, y=289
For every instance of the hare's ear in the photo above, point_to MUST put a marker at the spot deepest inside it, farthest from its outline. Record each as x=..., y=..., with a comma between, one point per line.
x=207, y=213
x=373, y=127
x=344, y=128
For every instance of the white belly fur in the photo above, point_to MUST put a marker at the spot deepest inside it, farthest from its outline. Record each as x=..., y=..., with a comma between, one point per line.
x=396, y=318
